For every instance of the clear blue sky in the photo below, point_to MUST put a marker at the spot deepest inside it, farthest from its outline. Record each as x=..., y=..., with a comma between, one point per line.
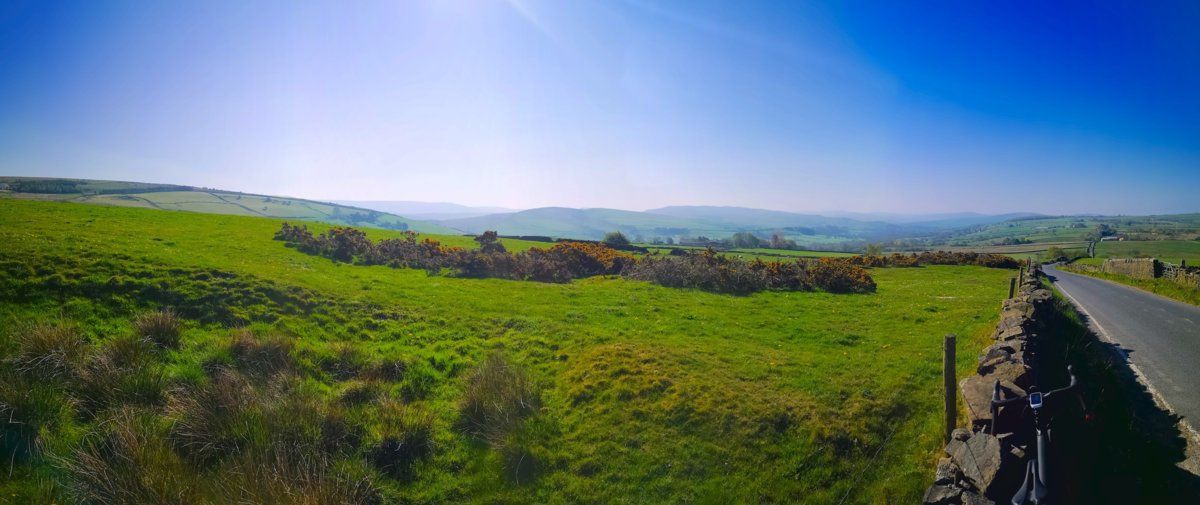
x=856, y=106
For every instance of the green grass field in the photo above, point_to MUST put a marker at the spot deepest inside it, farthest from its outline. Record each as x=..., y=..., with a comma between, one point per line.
x=649, y=394
x=1170, y=251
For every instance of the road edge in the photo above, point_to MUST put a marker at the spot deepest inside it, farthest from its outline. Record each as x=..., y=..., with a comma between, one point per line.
x=1192, y=461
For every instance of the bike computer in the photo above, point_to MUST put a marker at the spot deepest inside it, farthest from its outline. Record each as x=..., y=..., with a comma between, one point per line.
x=1035, y=400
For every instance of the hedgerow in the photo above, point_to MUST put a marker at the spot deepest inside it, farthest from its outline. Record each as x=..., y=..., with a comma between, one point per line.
x=565, y=261
x=936, y=258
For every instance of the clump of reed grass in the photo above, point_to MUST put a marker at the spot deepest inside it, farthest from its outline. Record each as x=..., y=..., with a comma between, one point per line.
x=161, y=327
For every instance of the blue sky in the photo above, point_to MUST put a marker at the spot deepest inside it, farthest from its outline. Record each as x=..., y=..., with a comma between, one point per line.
x=1057, y=107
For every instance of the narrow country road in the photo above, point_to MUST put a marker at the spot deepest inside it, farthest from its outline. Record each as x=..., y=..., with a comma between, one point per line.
x=1161, y=335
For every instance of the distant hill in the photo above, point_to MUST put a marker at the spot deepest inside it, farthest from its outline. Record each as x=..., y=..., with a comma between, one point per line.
x=213, y=201
x=689, y=221
x=591, y=224
x=743, y=218
x=430, y=211
x=942, y=220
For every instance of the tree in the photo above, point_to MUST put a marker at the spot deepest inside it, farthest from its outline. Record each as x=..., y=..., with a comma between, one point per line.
x=778, y=242
x=489, y=242
x=615, y=240
x=744, y=240
x=874, y=249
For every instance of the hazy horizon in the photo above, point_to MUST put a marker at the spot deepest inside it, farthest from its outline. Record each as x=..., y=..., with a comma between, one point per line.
x=628, y=105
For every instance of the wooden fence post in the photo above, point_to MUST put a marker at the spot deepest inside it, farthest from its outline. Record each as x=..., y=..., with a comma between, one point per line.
x=1012, y=287
x=951, y=385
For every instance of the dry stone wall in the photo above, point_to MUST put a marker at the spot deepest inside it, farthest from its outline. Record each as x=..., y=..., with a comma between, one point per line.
x=981, y=466
x=1138, y=268
x=1187, y=276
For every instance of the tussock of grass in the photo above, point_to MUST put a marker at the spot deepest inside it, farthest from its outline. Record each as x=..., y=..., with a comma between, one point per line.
x=121, y=371
x=346, y=362
x=162, y=327
x=261, y=357
x=29, y=409
x=360, y=392
x=129, y=461
x=406, y=437
x=499, y=396
x=295, y=474
x=209, y=421
x=50, y=351
x=391, y=370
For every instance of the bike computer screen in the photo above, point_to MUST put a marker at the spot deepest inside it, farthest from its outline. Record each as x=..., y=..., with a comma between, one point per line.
x=1035, y=400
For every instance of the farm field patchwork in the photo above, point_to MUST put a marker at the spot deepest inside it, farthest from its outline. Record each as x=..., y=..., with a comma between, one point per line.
x=648, y=394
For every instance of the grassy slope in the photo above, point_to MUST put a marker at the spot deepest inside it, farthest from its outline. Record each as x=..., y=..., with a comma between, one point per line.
x=216, y=202
x=652, y=394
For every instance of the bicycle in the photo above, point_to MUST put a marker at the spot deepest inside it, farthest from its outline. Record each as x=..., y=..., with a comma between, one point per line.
x=1035, y=488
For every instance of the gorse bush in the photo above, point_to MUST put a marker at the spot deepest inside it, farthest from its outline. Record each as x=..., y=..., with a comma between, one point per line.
x=489, y=242
x=499, y=396
x=565, y=261
x=559, y=263
x=709, y=271
x=839, y=276
x=162, y=327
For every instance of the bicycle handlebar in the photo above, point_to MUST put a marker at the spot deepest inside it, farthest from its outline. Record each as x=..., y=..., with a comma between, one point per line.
x=996, y=402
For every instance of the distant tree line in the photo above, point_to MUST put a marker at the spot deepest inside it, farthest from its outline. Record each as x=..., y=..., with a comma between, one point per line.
x=70, y=186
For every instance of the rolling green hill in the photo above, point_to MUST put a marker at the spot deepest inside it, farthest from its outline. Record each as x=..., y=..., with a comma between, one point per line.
x=186, y=198
x=297, y=377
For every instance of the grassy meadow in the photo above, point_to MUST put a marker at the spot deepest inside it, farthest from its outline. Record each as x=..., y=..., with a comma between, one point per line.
x=1170, y=251
x=645, y=394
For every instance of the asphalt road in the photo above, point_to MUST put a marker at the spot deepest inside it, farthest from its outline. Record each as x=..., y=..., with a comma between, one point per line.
x=1161, y=335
